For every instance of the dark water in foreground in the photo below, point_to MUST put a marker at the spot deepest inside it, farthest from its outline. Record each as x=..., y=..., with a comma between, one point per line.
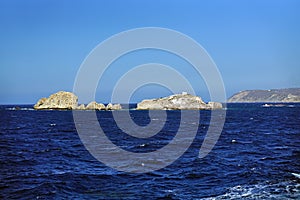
x=42, y=157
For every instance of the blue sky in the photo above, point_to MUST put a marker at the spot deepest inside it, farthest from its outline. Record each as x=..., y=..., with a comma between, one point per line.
x=255, y=44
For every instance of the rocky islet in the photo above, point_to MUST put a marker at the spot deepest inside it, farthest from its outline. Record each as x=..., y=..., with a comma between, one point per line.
x=184, y=101
x=69, y=101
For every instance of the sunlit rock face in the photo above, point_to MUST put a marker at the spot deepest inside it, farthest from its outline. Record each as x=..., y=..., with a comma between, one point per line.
x=59, y=100
x=95, y=106
x=69, y=101
x=113, y=106
x=182, y=101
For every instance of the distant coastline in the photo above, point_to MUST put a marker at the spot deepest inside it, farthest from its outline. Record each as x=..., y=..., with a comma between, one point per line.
x=287, y=95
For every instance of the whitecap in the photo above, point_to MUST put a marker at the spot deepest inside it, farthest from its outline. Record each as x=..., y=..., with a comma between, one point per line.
x=266, y=190
x=296, y=175
x=155, y=119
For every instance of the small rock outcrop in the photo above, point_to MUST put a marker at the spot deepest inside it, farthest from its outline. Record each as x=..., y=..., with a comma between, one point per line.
x=95, y=106
x=113, y=106
x=81, y=107
x=59, y=100
x=182, y=101
x=214, y=105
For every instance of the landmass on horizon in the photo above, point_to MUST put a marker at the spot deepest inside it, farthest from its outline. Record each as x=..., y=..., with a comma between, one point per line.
x=287, y=95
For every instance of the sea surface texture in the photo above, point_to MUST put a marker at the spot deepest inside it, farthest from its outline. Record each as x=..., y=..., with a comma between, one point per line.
x=256, y=157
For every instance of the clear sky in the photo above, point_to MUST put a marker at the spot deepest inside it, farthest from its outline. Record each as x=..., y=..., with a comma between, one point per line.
x=255, y=44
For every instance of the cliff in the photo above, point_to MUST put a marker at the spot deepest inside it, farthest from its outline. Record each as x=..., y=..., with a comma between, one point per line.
x=275, y=95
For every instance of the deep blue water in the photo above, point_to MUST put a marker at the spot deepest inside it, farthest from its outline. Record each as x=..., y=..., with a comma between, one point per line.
x=42, y=157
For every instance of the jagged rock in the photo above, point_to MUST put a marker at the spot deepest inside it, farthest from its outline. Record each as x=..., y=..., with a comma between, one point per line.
x=68, y=100
x=117, y=107
x=275, y=95
x=95, y=106
x=81, y=107
x=109, y=106
x=182, y=101
x=113, y=106
x=214, y=105
x=59, y=100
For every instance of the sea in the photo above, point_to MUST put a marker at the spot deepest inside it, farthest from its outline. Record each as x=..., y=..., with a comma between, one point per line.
x=257, y=156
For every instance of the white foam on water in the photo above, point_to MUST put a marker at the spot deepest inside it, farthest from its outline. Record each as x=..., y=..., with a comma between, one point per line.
x=282, y=190
x=17, y=108
x=26, y=109
x=296, y=175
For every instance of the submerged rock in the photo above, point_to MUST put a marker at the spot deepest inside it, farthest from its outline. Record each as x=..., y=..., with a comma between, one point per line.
x=182, y=101
x=59, y=100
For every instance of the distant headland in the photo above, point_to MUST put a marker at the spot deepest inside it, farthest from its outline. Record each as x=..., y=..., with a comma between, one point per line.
x=290, y=95
x=69, y=101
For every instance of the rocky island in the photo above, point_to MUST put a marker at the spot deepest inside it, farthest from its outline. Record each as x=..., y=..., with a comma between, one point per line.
x=269, y=96
x=182, y=101
x=69, y=101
